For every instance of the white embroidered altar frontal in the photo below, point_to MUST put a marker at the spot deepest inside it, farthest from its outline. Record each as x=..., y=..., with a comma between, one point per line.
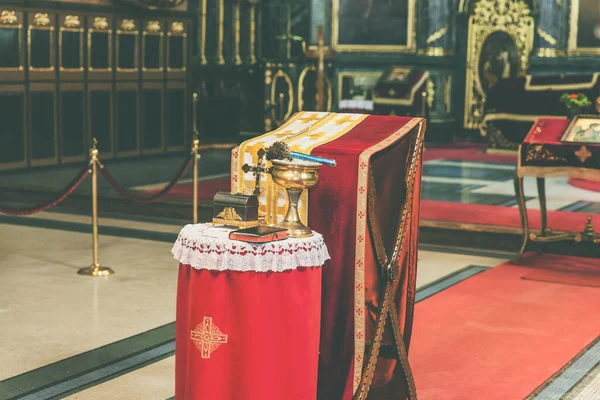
x=203, y=246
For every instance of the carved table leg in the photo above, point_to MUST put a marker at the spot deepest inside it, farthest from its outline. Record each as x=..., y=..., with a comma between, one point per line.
x=520, y=196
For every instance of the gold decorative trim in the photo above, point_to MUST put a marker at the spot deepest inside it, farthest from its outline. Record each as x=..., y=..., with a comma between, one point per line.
x=252, y=34
x=128, y=27
x=572, y=46
x=236, y=47
x=153, y=28
x=403, y=102
x=235, y=222
x=8, y=17
x=510, y=16
x=361, y=231
x=177, y=29
x=282, y=75
x=70, y=24
x=8, y=20
x=561, y=86
x=546, y=36
x=301, y=89
x=202, y=33
x=448, y=94
x=508, y=116
x=430, y=93
x=207, y=337
x=368, y=48
x=220, y=59
x=42, y=25
x=100, y=23
x=437, y=35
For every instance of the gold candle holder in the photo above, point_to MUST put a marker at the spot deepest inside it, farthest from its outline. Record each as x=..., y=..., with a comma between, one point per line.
x=295, y=177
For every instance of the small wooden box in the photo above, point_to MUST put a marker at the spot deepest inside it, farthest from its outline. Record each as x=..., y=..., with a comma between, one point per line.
x=235, y=210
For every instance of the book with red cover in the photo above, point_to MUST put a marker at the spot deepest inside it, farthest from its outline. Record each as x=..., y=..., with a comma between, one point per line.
x=259, y=234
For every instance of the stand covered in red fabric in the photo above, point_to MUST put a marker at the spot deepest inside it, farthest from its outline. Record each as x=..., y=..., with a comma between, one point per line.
x=248, y=317
x=373, y=155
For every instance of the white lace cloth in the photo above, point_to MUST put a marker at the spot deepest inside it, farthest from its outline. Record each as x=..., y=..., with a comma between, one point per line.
x=205, y=247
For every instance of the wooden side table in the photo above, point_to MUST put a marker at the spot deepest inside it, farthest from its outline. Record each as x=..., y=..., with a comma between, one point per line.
x=541, y=155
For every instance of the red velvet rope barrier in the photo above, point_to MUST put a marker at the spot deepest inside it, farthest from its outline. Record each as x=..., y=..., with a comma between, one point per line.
x=63, y=195
x=145, y=200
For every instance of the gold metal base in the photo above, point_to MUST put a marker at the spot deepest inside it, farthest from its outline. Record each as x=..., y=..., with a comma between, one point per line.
x=296, y=229
x=95, y=270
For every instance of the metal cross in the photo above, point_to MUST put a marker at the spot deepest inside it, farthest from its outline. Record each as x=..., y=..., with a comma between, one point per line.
x=257, y=170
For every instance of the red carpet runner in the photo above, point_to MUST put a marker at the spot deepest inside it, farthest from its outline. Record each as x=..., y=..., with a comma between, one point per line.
x=498, y=336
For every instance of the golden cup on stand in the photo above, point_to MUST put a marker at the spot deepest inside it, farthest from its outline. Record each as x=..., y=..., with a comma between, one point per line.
x=295, y=176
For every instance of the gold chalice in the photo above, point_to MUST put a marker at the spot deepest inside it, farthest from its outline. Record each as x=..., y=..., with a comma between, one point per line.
x=295, y=176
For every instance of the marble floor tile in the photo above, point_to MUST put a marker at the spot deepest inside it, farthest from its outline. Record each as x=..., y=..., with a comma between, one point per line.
x=48, y=312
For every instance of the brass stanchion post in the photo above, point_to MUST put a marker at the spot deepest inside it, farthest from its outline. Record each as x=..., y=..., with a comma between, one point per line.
x=95, y=269
x=196, y=155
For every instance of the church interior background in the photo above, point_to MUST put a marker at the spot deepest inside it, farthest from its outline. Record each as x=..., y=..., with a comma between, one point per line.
x=508, y=271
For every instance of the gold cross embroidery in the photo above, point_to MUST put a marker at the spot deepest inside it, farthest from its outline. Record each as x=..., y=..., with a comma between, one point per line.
x=343, y=120
x=583, y=154
x=208, y=337
x=310, y=118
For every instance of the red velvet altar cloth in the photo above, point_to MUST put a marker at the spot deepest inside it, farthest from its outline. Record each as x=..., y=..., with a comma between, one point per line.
x=263, y=329
x=542, y=152
x=351, y=287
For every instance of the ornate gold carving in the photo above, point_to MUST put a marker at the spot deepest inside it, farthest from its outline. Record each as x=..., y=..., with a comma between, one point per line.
x=8, y=17
x=229, y=213
x=510, y=16
x=72, y=21
x=561, y=86
x=437, y=35
x=538, y=152
x=41, y=19
x=153, y=26
x=499, y=141
x=177, y=28
x=436, y=52
x=546, y=36
x=128, y=25
x=208, y=337
x=100, y=23
x=391, y=92
x=583, y=154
